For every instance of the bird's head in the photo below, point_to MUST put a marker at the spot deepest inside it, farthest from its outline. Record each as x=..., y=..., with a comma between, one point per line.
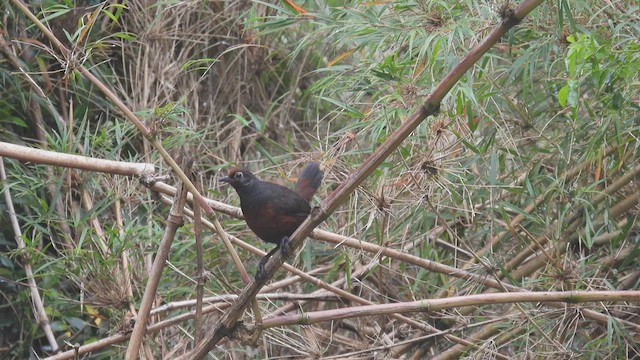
x=238, y=178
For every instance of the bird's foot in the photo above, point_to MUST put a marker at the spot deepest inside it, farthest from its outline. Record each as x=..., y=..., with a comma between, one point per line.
x=261, y=272
x=285, y=247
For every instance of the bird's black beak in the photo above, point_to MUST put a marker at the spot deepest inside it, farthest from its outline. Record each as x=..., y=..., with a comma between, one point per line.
x=224, y=179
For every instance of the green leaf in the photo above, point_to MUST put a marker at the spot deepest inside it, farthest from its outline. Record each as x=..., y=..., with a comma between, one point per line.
x=563, y=95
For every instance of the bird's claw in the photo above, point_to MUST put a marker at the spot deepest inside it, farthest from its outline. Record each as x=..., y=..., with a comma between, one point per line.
x=261, y=273
x=285, y=247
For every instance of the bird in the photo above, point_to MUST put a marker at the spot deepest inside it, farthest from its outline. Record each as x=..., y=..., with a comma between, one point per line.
x=273, y=212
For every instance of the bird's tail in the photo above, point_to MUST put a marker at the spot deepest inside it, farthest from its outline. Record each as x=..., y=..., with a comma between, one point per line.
x=309, y=181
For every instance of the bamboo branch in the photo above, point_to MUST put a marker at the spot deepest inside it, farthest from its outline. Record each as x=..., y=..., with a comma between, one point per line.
x=25, y=153
x=200, y=277
x=432, y=305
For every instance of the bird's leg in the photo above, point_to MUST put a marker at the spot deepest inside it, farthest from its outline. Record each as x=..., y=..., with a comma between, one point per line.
x=284, y=247
x=261, y=273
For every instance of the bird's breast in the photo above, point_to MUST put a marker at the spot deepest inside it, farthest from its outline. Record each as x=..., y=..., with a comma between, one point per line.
x=272, y=215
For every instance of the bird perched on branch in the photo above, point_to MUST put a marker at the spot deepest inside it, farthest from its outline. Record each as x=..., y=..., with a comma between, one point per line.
x=274, y=212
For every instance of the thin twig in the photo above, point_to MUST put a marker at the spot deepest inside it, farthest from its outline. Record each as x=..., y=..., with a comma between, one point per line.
x=124, y=257
x=197, y=233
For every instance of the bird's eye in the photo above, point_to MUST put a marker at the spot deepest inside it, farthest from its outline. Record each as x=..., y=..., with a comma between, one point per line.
x=238, y=175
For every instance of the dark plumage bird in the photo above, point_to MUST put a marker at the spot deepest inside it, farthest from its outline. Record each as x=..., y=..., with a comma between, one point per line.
x=274, y=212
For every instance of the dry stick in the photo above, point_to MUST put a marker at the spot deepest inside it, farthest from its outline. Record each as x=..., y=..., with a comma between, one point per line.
x=174, y=220
x=24, y=153
x=225, y=326
x=197, y=233
x=38, y=311
x=355, y=274
x=291, y=280
x=97, y=227
x=218, y=206
x=454, y=352
x=606, y=238
x=229, y=298
x=124, y=259
x=505, y=336
x=414, y=260
x=630, y=280
x=621, y=208
x=453, y=302
x=67, y=55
